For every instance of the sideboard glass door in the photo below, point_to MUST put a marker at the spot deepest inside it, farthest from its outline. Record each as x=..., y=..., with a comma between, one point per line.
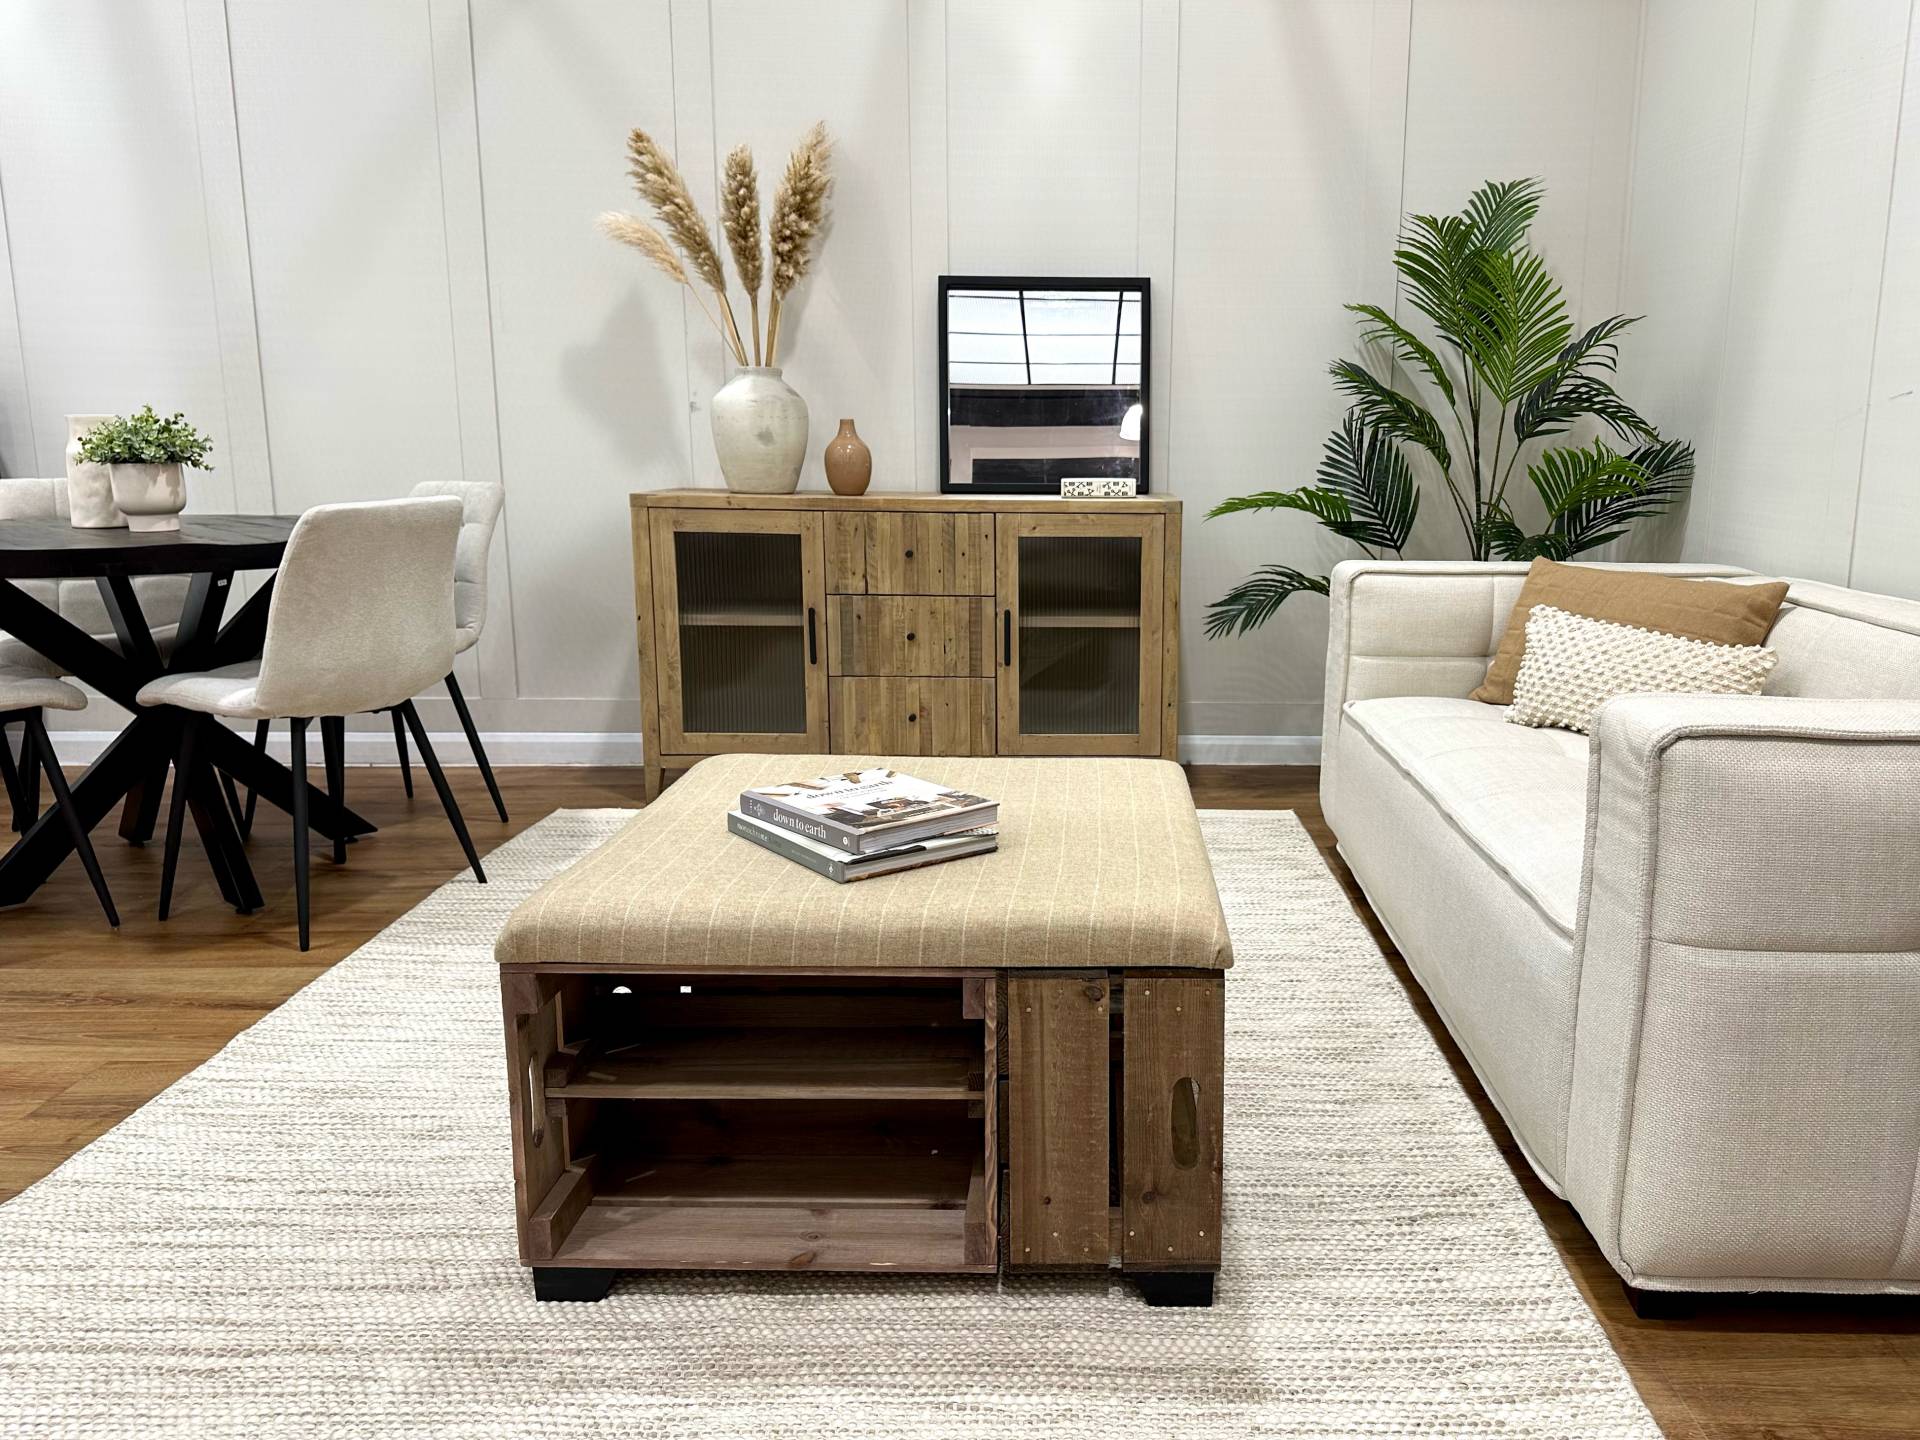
x=741, y=639
x=1080, y=616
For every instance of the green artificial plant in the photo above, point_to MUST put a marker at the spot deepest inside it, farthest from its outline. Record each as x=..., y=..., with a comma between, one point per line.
x=146, y=439
x=1505, y=372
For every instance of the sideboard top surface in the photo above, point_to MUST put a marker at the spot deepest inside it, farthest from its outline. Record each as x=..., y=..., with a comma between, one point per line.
x=715, y=499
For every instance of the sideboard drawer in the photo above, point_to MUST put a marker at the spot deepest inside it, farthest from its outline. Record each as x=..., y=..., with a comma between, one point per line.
x=910, y=635
x=912, y=715
x=910, y=552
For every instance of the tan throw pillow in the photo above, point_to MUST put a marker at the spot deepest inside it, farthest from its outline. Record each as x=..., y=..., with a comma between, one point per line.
x=1713, y=610
x=1572, y=665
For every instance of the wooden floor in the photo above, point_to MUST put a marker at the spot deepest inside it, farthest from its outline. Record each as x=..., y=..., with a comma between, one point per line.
x=94, y=1023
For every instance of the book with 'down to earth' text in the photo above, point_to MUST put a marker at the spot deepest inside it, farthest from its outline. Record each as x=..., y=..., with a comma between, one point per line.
x=862, y=811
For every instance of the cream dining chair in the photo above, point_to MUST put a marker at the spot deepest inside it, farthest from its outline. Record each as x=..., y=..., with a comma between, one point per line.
x=361, y=619
x=24, y=694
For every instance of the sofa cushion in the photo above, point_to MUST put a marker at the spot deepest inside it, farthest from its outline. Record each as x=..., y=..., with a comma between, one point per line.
x=1519, y=796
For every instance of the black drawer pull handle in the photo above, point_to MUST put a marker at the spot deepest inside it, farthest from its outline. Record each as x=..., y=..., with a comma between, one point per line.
x=909, y=554
x=1006, y=631
x=813, y=642
x=909, y=634
x=912, y=718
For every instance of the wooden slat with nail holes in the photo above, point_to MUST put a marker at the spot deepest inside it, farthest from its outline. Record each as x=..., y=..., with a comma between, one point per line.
x=673, y=738
x=914, y=553
x=1057, y=1123
x=846, y=552
x=530, y=1007
x=912, y=715
x=1175, y=1042
x=910, y=635
x=771, y=1237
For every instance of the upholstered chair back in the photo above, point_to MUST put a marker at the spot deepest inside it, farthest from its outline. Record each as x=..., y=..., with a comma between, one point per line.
x=362, y=610
x=162, y=597
x=480, y=506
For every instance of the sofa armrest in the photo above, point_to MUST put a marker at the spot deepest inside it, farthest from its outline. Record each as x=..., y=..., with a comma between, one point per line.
x=1745, y=1108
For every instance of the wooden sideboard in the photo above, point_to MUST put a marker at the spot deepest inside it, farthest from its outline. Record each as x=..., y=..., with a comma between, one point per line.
x=905, y=624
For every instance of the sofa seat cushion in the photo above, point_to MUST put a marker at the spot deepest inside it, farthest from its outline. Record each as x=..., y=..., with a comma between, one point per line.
x=1519, y=796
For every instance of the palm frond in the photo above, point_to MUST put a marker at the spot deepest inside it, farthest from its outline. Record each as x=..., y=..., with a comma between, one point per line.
x=1258, y=598
x=1505, y=539
x=1365, y=469
x=1329, y=507
x=1593, y=494
x=1517, y=323
x=1435, y=258
x=1384, y=408
x=1501, y=212
x=1578, y=386
x=1406, y=347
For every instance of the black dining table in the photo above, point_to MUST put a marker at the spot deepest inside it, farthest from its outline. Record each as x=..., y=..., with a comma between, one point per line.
x=132, y=771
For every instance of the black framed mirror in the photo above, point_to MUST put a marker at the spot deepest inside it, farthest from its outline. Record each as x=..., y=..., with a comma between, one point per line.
x=1043, y=380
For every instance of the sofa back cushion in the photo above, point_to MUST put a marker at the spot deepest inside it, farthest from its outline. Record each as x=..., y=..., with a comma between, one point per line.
x=1842, y=644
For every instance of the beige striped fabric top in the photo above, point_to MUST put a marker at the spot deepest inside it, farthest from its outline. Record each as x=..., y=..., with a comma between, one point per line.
x=1100, y=865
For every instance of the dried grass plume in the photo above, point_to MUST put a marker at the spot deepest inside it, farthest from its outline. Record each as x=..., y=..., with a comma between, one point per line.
x=799, y=210
x=740, y=218
x=661, y=185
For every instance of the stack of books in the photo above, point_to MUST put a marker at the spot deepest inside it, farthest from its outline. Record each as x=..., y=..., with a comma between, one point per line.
x=866, y=823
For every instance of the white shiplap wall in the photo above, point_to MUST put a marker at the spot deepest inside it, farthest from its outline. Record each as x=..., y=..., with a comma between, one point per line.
x=355, y=241
x=1775, y=246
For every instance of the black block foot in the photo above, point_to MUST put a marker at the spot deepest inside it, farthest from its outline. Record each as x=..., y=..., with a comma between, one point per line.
x=572, y=1284
x=1660, y=1304
x=1188, y=1288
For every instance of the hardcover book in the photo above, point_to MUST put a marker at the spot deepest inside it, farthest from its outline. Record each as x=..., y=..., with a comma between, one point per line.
x=838, y=865
x=863, y=811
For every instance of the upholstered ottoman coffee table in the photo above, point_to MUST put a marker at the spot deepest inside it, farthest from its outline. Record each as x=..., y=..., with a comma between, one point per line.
x=720, y=1060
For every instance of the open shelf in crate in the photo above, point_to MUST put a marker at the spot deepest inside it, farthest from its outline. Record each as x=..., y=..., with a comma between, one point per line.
x=774, y=1063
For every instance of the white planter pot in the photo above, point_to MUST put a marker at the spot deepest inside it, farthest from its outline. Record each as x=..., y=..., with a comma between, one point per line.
x=151, y=495
x=760, y=432
x=89, y=487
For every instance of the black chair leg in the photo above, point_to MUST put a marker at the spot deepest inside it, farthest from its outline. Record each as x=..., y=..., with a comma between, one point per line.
x=259, y=748
x=10, y=779
x=177, y=813
x=297, y=735
x=400, y=744
x=38, y=738
x=473, y=743
x=333, y=740
x=447, y=802
x=29, y=807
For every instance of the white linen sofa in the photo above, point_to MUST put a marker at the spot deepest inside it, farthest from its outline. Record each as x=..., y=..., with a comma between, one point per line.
x=1682, y=957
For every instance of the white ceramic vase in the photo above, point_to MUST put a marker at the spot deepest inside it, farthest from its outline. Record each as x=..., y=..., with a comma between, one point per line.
x=89, y=486
x=152, y=496
x=760, y=432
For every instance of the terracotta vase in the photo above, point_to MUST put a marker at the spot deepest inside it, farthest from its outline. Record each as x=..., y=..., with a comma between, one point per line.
x=849, y=462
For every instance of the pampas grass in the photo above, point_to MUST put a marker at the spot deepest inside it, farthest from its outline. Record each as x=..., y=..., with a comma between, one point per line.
x=799, y=210
x=799, y=213
x=740, y=218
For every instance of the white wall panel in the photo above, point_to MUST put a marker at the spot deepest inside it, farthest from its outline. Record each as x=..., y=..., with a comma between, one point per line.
x=1886, y=545
x=339, y=146
x=1315, y=92
x=847, y=333
x=1804, y=291
x=589, y=343
x=1043, y=137
x=107, y=237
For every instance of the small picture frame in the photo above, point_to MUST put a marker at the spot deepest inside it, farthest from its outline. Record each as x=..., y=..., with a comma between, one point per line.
x=1044, y=380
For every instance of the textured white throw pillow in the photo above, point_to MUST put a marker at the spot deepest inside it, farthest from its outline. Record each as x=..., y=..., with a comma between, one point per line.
x=1572, y=664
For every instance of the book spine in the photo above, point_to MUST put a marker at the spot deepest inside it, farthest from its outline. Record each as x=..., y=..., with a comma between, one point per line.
x=799, y=854
x=825, y=831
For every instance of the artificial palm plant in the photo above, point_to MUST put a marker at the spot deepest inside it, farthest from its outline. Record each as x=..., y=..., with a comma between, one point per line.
x=1505, y=372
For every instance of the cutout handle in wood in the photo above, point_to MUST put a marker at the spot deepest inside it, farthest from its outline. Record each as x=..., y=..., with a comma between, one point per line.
x=536, y=1102
x=1184, y=1114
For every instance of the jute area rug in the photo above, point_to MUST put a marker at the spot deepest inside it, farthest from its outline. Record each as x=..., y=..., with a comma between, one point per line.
x=312, y=1236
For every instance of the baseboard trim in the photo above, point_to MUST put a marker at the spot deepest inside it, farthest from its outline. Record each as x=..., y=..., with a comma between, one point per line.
x=581, y=747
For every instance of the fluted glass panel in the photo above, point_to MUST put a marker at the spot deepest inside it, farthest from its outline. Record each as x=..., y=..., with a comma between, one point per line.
x=743, y=660
x=1079, y=635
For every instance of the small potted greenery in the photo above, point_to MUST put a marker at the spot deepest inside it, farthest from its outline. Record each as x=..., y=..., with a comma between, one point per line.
x=143, y=453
